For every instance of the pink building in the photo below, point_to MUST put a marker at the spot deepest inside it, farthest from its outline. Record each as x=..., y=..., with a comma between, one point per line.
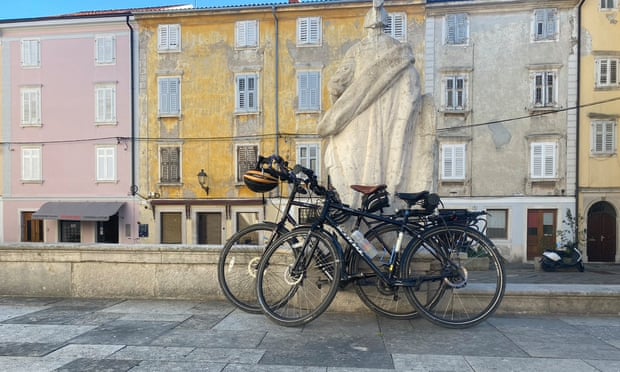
x=67, y=119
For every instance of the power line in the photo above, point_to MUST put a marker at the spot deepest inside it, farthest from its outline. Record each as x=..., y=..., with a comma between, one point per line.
x=529, y=116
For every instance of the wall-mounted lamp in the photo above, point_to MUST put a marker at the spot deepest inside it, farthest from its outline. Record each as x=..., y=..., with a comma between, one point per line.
x=202, y=180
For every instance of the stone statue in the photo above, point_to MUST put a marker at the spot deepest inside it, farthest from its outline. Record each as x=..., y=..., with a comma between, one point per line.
x=368, y=131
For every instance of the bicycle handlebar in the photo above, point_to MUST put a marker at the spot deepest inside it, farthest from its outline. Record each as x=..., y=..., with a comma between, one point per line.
x=278, y=167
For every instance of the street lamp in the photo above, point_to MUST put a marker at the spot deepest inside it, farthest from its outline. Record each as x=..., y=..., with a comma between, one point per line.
x=202, y=180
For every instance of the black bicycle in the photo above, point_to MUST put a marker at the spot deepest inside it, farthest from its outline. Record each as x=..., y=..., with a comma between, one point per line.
x=240, y=255
x=300, y=273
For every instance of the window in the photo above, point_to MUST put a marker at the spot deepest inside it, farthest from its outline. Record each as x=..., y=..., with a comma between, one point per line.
x=31, y=105
x=543, y=160
x=308, y=155
x=455, y=93
x=169, y=38
x=69, y=231
x=609, y=4
x=105, y=50
x=453, y=161
x=31, y=53
x=31, y=164
x=209, y=228
x=309, y=90
x=607, y=74
x=247, y=156
x=170, y=164
x=544, y=89
x=171, y=227
x=603, y=137
x=309, y=31
x=106, y=163
x=456, y=29
x=497, y=223
x=105, y=103
x=546, y=25
x=246, y=34
x=247, y=93
x=169, y=96
x=396, y=26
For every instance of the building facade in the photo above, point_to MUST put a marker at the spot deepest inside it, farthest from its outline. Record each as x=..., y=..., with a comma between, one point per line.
x=502, y=75
x=220, y=86
x=599, y=166
x=67, y=129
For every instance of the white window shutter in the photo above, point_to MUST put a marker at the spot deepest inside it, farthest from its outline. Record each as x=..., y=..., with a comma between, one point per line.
x=251, y=33
x=163, y=37
x=241, y=34
x=459, y=161
x=302, y=30
x=537, y=160
x=174, y=36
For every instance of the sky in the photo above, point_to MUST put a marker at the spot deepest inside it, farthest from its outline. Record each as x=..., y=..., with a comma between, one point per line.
x=14, y=9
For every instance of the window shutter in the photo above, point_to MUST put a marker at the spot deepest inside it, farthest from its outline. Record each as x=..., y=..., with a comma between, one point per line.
x=459, y=161
x=175, y=174
x=241, y=100
x=537, y=162
x=551, y=22
x=173, y=37
x=451, y=29
x=251, y=33
x=461, y=28
x=539, y=24
x=448, y=162
x=174, y=95
x=613, y=72
x=549, y=156
x=610, y=134
x=241, y=37
x=314, y=30
x=302, y=88
x=163, y=37
x=302, y=31
x=251, y=96
x=398, y=27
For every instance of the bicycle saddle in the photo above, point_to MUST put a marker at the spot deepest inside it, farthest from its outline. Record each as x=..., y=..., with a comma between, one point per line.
x=367, y=190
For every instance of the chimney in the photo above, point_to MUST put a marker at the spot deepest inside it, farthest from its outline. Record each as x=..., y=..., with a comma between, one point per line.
x=294, y=1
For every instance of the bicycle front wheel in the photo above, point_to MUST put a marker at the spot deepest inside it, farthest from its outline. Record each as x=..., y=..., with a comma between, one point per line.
x=298, y=277
x=456, y=274
x=236, y=268
x=381, y=297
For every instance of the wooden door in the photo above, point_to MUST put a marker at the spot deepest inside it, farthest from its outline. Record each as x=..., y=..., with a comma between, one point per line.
x=541, y=230
x=601, y=233
x=32, y=230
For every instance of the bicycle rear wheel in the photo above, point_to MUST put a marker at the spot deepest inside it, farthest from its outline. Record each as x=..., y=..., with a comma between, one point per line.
x=376, y=294
x=298, y=277
x=236, y=268
x=459, y=276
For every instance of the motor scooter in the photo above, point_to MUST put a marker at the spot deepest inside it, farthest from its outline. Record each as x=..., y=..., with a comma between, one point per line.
x=569, y=256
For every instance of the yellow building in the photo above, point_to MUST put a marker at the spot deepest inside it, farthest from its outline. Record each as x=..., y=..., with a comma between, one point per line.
x=599, y=96
x=219, y=86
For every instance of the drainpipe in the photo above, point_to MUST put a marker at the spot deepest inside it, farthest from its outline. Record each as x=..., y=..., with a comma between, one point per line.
x=277, y=78
x=134, y=189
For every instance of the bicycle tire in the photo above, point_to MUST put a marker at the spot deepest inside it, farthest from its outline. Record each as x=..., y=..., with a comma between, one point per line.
x=384, y=300
x=459, y=273
x=236, y=267
x=293, y=296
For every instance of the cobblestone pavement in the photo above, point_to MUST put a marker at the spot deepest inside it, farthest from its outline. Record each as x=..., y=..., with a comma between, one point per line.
x=56, y=334
x=43, y=334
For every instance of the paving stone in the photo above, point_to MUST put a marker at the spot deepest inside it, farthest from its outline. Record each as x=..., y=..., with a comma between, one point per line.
x=242, y=321
x=245, y=356
x=124, y=332
x=64, y=315
x=27, y=349
x=152, y=307
x=430, y=362
x=97, y=365
x=53, y=334
x=75, y=351
x=210, y=338
x=155, y=317
x=160, y=366
x=278, y=368
x=604, y=365
x=29, y=364
x=8, y=312
x=329, y=357
x=153, y=353
x=528, y=364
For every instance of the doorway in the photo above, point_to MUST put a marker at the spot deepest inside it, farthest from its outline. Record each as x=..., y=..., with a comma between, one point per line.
x=601, y=233
x=32, y=230
x=107, y=231
x=541, y=230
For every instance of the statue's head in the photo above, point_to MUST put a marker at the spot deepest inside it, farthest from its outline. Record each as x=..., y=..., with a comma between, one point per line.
x=376, y=16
